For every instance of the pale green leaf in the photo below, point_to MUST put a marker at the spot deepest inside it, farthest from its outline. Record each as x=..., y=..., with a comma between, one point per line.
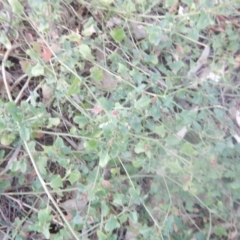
x=16, y=6
x=204, y=21
x=174, y=167
x=5, y=41
x=37, y=70
x=56, y=182
x=188, y=149
x=118, y=34
x=7, y=139
x=106, y=2
x=91, y=144
x=188, y=2
x=74, y=87
x=160, y=130
x=96, y=73
x=74, y=176
x=140, y=147
x=102, y=236
x=111, y=224
x=85, y=51
x=143, y=102
x=44, y=215
x=81, y=120
x=53, y=122
x=73, y=37
x=104, y=159
x=24, y=133
x=133, y=216
x=15, y=166
x=172, y=140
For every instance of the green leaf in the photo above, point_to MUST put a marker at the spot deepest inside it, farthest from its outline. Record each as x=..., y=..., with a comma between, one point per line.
x=204, y=21
x=37, y=70
x=96, y=73
x=91, y=144
x=4, y=184
x=188, y=2
x=14, y=111
x=176, y=66
x=15, y=166
x=105, y=103
x=16, y=6
x=5, y=41
x=2, y=153
x=44, y=216
x=134, y=193
x=56, y=182
x=104, y=209
x=118, y=34
x=42, y=164
x=74, y=176
x=151, y=59
x=7, y=139
x=168, y=227
x=235, y=185
x=192, y=137
x=23, y=166
x=143, y=102
x=106, y=2
x=85, y=51
x=220, y=231
x=104, y=159
x=59, y=143
x=140, y=147
x=169, y=3
x=172, y=140
x=123, y=218
x=153, y=35
x=81, y=120
x=53, y=122
x=188, y=149
x=45, y=231
x=130, y=6
x=74, y=87
x=119, y=199
x=78, y=219
x=122, y=69
x=174, y=167
x=24, y=133
x=102, y=236
x=160, y=130
x=111, y=224
x=73, y=37
x=133, y=216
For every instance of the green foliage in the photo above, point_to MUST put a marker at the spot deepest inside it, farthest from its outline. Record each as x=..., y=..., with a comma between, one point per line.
x=116, y=126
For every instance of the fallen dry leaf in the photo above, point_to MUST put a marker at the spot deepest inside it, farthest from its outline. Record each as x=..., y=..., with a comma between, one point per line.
x=237, y=61
x=24, y=65
x=138, y=31
x=47, y=93
x=114, y=21
x=200, y=62
x=106, y=184
x=174, y=7
x=97, y=109
x=108, y=82
x=74, y=204
x=46, y=53
x=179, y=49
